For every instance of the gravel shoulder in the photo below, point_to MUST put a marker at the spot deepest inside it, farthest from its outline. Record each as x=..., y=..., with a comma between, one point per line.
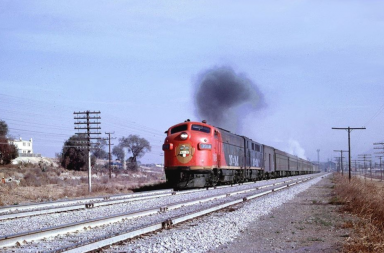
x=306, y=223
x=222, y=231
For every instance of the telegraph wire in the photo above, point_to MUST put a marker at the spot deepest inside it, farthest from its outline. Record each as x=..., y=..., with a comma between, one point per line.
x=375, y=115
x=369, y=121
x=33, y=123
x=21, y=113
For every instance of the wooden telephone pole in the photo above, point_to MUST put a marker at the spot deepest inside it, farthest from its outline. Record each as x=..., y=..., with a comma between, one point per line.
x=341, y=160
x=88, y=128
x=380, y=156
x=364, y=157
x=349, y=129
x=109, y=153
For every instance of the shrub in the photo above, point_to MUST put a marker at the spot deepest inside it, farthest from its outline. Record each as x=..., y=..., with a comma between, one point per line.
x=7, y=151
x=30, y=179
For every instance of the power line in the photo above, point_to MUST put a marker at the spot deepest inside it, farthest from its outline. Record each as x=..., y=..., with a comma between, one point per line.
x=375, y=115
x=341, y=160
x=27, y=115
x=364, y=156
x=349, y=129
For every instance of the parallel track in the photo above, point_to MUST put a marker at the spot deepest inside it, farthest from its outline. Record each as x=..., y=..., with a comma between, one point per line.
x=59, y=204
x=13, y=212
x=246, y=194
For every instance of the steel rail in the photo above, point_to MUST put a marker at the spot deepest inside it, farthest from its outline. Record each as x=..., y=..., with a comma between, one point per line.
x=169, y=222
x=126, y=198
x=18, y=208
x=79, y=207
x=68, y=202
x=10, y=240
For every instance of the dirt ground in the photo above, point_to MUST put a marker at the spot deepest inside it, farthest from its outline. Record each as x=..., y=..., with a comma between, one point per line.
x=307, y=223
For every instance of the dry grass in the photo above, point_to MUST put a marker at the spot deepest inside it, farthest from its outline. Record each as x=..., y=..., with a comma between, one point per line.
x=365, y=200
x=37, y=185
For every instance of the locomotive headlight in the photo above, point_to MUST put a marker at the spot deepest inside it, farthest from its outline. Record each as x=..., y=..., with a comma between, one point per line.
x=183, y=135
x=205, y=146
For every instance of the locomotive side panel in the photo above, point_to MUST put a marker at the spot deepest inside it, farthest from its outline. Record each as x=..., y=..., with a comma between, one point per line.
x=269, y=159
x=254, y=155
x=233, y=148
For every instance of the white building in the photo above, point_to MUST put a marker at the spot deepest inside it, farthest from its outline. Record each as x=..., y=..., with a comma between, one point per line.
x=23, y=147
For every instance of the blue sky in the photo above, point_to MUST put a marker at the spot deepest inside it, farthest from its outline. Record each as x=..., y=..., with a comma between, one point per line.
x=319, y=65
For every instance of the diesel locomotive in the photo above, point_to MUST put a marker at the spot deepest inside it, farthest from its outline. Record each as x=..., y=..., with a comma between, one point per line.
x=197, y=154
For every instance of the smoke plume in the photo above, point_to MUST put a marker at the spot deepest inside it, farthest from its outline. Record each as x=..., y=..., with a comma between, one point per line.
x=224, y=98
x=296, y=149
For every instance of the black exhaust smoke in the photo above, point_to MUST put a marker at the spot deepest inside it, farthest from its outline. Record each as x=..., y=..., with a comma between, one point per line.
x=224, y=98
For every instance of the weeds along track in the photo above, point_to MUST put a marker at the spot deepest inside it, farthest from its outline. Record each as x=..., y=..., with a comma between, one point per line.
x=363, y=198
x=92, y=228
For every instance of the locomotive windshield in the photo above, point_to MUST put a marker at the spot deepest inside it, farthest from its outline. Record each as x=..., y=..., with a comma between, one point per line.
x=179, y=129
x=201, y=128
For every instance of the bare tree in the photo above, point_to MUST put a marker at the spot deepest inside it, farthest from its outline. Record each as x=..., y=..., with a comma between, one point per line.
x=136, y=146
x=100, y=153
x=119, y=153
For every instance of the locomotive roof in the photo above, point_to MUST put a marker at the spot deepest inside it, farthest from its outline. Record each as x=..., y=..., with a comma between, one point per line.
x=245, y=137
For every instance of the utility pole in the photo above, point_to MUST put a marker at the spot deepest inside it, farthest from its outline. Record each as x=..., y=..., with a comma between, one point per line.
x=318, y=159
x=355, y=161
x=382, y=148
x=349, y=129
x=109, y=153
x=89, y=126
x=370, y=168
x=364, y=156
x=381, y=170
x=341, y=159
x=338, y=166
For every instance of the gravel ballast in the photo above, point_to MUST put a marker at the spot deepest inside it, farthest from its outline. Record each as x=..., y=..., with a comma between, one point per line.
x=115, y=228
x=212, y=231
x=313, y=224
x=55, y=219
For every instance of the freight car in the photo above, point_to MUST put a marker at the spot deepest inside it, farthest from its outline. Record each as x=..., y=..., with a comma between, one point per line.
x=197, y=154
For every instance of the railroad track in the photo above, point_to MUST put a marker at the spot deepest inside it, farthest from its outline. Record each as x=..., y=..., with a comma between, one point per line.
x=19, y=211
x=15, y=209
x=140, y=221
x=57, y=207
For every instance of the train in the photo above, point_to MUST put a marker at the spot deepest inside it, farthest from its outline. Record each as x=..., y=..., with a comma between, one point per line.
x=197, y=154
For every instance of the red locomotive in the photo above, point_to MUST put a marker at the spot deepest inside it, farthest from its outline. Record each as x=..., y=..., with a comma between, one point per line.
x=200, y=155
